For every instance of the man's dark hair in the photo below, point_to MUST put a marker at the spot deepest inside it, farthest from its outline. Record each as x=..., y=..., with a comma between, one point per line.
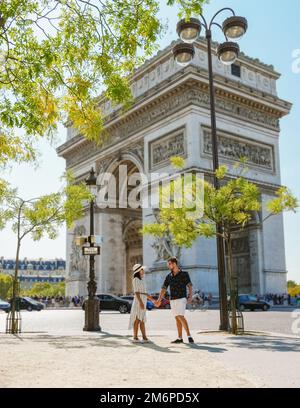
x=173, y=259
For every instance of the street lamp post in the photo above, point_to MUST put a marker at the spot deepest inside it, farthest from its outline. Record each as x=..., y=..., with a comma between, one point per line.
x=92, y=304
x=233, y=27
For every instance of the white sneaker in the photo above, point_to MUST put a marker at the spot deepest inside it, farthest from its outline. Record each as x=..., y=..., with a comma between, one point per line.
x=146, y=341
x=135, y=341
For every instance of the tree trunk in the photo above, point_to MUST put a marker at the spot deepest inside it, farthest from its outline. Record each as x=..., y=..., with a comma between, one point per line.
x=15, y=293
x=233, y=288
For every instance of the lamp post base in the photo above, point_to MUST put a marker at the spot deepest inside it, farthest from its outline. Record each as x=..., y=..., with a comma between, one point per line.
x=92, y=310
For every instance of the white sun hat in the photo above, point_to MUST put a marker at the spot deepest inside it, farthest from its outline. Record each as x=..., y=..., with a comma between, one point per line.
x=138, y=267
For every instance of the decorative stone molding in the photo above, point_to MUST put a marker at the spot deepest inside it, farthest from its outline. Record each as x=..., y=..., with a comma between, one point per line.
x=240, y=245
x=162, y=149
x=234, y=148
x=167, y=105
x=137, y=150
x=102, y=164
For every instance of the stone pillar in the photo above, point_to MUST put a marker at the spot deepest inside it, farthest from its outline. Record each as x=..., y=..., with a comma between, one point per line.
x=274, y=251
x=256, y=261
x=111, y=270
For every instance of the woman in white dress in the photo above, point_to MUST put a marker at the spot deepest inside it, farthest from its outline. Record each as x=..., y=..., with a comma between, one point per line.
x=138, y=309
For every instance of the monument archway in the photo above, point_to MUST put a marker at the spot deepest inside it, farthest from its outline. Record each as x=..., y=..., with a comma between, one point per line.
x=123, y=245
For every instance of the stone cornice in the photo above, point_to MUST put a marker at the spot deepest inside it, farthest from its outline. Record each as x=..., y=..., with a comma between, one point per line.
x=183, y=90
x=201, y=43
x=232, y=87
x=165, y=56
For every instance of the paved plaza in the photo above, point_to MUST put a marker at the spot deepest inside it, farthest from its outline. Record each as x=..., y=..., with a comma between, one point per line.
x=53, y=351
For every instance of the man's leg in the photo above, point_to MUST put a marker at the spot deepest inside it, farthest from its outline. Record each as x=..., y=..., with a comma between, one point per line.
x=179, y=327
x=185, y=325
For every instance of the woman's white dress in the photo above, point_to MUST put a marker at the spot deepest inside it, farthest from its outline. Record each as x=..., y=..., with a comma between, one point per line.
x=136, y=311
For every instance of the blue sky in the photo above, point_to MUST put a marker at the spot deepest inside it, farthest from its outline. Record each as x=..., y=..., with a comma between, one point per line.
x=273, y=35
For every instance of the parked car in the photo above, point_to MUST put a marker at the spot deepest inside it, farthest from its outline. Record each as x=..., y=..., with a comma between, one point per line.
x=112, y=302
x=130, y=298
x=5, y=306
x=250, y=302
x=26, y=303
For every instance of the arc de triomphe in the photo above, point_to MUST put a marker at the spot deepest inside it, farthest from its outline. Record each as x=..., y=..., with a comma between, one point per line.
x=171, y=117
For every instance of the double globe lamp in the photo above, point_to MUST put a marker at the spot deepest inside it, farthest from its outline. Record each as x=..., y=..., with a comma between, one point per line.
x=189, y=31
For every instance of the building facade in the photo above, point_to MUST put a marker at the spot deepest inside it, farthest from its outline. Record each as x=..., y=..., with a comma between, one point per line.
x=171, y=117
x=32, y=271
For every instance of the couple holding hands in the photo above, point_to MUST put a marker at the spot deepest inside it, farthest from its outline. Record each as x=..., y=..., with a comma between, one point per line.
x=178, y=281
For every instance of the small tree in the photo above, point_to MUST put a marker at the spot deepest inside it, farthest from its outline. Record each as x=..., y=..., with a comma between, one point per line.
x=45, y=289
x=231, y=206
x=295, y=291
x=291, y=284
x=5, y=286
x=39, y=217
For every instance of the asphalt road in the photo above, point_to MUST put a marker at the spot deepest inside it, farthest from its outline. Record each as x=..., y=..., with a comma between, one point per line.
x=285, y=321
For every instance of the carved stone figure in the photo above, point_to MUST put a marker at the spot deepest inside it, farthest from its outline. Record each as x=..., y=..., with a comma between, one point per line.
x=78, y=263
x=164, y=246
x=168, y=146
x=233, y=149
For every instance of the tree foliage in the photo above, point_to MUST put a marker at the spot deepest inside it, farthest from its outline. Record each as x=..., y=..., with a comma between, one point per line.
x=57, y=56
x=232, y=205
x=223, y=212
x=5, y=286
x=295, y=291
x=42, y=216
x=45, y=289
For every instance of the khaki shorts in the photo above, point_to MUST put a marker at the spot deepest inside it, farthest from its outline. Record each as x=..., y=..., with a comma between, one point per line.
x=178, y=306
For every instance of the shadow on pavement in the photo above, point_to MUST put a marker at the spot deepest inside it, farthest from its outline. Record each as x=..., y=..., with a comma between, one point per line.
x=207, y=347
x=282, y=344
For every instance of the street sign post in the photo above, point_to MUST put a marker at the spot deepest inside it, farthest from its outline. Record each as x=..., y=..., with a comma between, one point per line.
x=93, y=250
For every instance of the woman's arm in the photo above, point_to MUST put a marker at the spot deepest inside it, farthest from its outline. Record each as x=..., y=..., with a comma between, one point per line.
x=138, y=295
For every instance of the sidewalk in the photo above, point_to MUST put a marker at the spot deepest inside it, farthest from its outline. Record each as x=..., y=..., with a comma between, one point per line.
x=110, y=359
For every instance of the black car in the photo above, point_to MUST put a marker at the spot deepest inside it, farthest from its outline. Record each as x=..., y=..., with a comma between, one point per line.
x=112, y=302
x=5, y=306
x=129, y=298
x=26, y=303
x=250, y=302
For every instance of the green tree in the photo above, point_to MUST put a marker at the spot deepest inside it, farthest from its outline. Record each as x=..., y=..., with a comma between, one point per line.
x=295, y=291
x=291, y=284
x=5, y=286
x=232, y=206
x=45, y=289
x=40, y=216
x=56, y=56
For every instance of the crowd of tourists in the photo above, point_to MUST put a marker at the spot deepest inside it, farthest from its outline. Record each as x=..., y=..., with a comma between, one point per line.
x=60, y=301
x=280, y=299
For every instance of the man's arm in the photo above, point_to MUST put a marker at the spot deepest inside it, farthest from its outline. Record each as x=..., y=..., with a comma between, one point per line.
x=190, y=296
x=162, y=292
